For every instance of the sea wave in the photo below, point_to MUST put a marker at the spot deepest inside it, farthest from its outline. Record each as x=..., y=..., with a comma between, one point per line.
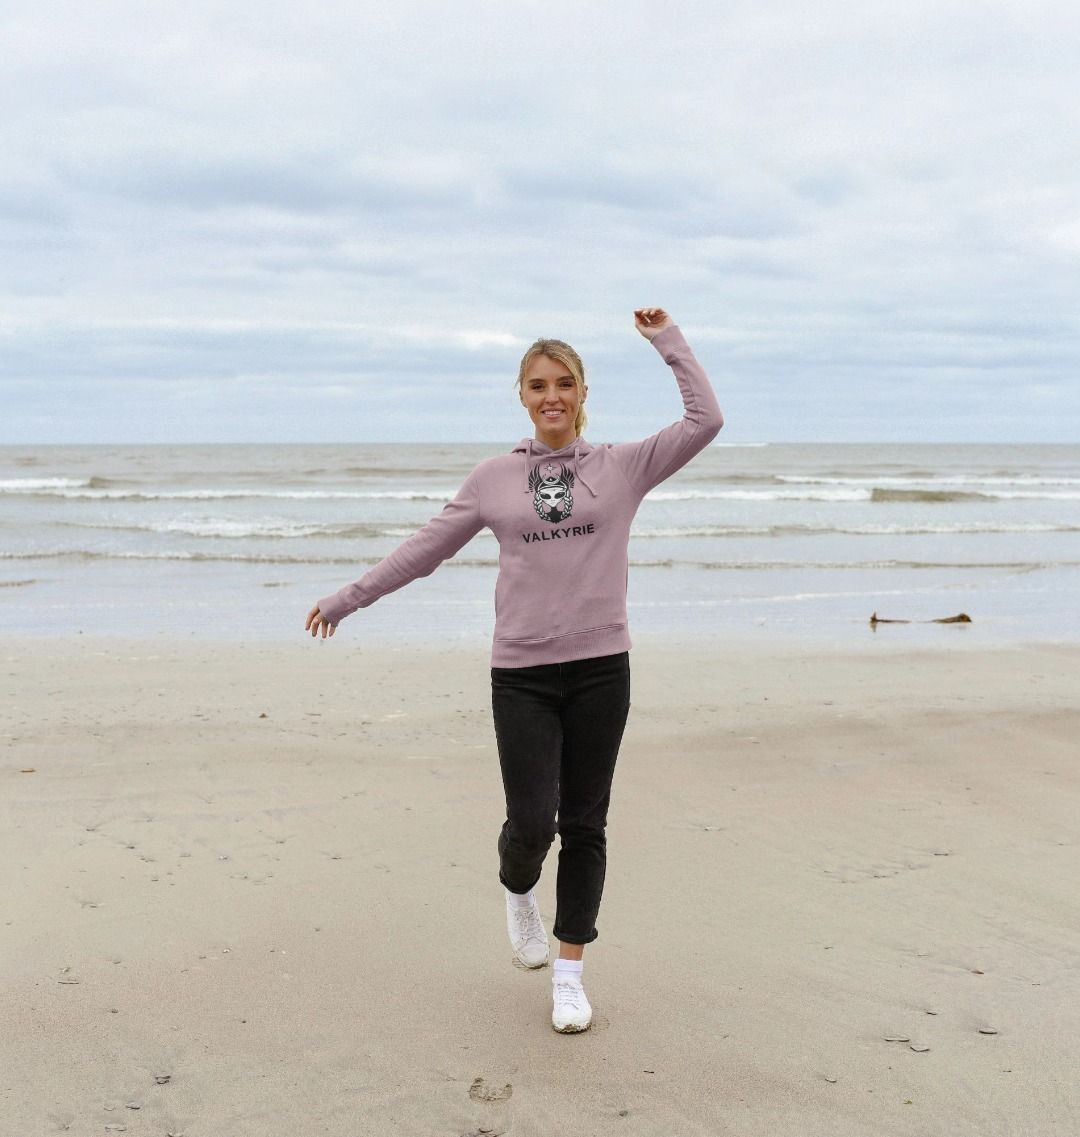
x=35, y=485
x=229, y=529
x=196, y=556
x=213, y=528
x=869, y=493
x=927, y=480
x=838, y=495
x=899, y=530
x=85, y=492
x=929, y=530
x=766, y=488
x=740, y=565
x=939, y=497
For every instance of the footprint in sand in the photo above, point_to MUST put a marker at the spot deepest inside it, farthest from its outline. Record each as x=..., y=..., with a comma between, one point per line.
x=478, y=1091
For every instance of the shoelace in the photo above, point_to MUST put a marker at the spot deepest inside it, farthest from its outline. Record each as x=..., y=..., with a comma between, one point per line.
x=569, y=993
x=528, y=924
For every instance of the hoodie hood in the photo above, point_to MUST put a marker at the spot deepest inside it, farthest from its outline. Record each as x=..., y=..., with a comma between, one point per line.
x=534, y=451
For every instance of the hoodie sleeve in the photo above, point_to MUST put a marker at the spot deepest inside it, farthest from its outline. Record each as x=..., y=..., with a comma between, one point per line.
x=648, y=462
x=420, y=555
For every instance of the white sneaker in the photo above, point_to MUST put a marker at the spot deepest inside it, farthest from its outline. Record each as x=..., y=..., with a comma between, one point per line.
x=571, y=1011
x=527, y=935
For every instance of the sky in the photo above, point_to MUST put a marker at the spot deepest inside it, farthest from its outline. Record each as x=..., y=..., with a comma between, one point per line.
x=297, y=222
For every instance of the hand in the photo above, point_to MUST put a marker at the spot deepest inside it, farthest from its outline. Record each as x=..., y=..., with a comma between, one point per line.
x=652, y=321
x=316, y=621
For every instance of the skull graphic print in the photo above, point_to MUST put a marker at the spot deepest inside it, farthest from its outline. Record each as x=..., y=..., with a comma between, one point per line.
x=552, y=488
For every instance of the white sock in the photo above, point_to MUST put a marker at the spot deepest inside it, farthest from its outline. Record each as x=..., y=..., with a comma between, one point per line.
x=567, y=969
x=520, y=900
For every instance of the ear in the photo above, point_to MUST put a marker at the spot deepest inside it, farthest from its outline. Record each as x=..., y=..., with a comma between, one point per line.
x=585, y=394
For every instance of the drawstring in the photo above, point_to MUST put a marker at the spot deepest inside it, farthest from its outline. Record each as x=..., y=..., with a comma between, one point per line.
x=577, y=469
x=575, y=459
x=528, y=462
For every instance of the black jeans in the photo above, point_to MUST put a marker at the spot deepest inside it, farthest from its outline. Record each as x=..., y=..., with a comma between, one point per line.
x=559, y=726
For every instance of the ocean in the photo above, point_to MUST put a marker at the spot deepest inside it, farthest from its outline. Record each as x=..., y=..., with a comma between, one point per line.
x=802, y=542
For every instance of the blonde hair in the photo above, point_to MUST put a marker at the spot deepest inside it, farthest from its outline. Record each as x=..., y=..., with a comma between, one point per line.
x=564, y=354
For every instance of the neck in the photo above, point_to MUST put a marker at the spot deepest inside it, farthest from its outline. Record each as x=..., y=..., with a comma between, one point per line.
x=556, y=441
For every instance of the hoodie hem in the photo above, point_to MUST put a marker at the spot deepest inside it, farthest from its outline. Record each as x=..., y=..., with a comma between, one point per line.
x=585, y=644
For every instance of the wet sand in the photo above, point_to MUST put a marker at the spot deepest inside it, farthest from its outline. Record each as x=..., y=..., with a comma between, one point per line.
x=250, y=889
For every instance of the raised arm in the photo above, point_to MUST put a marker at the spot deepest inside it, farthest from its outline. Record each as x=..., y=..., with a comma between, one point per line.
x=648, y=462
x=419, y=556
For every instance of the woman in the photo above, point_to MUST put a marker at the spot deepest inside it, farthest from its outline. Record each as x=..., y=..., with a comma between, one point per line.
x=561, y=511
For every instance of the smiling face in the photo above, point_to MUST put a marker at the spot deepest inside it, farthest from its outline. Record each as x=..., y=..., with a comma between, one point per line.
x=553, y=398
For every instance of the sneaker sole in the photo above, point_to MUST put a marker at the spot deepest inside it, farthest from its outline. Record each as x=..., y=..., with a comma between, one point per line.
x=572, y=1028
x=519, y=962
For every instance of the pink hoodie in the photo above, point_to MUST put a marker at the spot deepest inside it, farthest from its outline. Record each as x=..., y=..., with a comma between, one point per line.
x=562, y=519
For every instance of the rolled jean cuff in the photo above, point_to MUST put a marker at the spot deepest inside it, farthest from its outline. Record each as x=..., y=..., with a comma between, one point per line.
x=566, y=938
x=516, y=892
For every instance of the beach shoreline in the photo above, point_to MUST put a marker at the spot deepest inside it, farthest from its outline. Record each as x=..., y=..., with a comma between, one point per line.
x=786, y=541
x=266, y=873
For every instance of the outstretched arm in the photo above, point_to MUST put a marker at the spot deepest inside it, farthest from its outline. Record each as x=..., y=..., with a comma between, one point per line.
x=648, y=462
x=420, y=555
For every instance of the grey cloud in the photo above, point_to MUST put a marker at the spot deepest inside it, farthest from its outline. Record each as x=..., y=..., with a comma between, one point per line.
x=301, y=183
x=182, y=353
x=833, y=201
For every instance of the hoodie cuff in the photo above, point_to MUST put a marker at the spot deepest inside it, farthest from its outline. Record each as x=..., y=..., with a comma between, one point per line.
x=333, y=609
x=669, y=342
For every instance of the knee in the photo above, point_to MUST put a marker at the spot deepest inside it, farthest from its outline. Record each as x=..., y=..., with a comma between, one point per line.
x=589, y=831
x=530, y=834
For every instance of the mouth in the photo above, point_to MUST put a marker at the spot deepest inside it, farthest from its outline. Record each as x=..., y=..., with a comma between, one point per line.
x=552, y=414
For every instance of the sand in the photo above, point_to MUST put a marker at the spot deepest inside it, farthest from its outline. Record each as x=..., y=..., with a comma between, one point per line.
x=251, y=889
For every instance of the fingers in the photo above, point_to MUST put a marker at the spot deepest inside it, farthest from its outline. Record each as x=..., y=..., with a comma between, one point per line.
x=650, y=316
x=650, y=322
x=317, y=622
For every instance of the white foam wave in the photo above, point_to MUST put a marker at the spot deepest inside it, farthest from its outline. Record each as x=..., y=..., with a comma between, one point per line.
x=794, y=488
x=1021, y=496
x=356, y=562
x=874, y=492
x=35, y=485
x=676, y=532
x=234, y=529
x=914, y=481
x=760, y=495
x=280, y=529
x=231, y=494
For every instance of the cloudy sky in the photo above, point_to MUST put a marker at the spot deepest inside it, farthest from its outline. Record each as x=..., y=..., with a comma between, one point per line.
x=305, y=222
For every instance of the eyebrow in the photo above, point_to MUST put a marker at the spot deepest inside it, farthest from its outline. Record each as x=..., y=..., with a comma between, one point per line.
x=539, y=379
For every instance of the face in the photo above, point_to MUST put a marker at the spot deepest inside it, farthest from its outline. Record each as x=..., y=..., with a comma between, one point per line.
x=549, y=392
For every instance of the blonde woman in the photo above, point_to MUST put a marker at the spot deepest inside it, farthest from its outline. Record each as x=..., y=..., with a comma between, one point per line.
x=561, y=510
